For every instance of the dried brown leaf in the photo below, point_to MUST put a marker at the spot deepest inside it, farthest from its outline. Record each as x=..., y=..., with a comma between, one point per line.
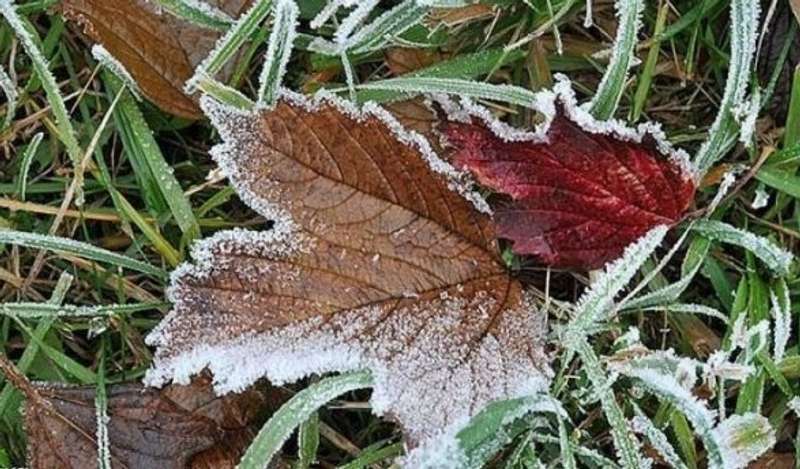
x=795, y=4
x=774, y=460
x=462, y=15
x=375, y=262
x=402, y=60
x=175, y=427
x=159, y=50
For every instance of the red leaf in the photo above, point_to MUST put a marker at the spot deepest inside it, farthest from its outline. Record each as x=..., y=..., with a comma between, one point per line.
x=577, y=199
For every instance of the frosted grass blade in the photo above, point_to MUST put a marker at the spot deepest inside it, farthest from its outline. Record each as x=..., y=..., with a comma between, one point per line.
x=145, y=153
x=77, y=248
x=230, y=43
x=775, y=257
x=483, y=436
x=66, y=133
x=29, y=310
x=744, y=36
x=32, y=347
x=27, y=159
x=610, y=90
x=296, y=411
x=198, y=12
x=10, y=90
x=643, y=425
x=472, y=89
x=279, y=49
x=116, y=67
x=380, y=32
x=463, y=67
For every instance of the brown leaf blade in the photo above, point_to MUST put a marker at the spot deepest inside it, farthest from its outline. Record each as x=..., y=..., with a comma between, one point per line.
x=175, y=427
x=159, y=50
x=374, y=263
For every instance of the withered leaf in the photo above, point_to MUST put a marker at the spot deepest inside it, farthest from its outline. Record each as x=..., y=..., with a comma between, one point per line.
x=174, y=427
x=578, y=197
x=401, y=60
x=159, y=50
x=375, y=262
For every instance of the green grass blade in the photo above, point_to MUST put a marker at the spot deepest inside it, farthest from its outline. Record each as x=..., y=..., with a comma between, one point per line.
x=160, y=244
x=10, y=90
x=223, y=93
x=25, y=167
x=32, y=348
x=30, y=310
x=199, y=12
x=791, y=135
x=612, y=85
x=685, y=436
x=472, y=89
x=83, y=374
x=775, y=257
x=744, y=34
x=78, y=248
x=296, y=411
x=66, y=133
x=462, y=67
x=483, y=436
x=783, y=180
x=646, y=77
x=279, y=49
x=230, y=43
x=146, y=156
x=374, y=454
x=308, y=442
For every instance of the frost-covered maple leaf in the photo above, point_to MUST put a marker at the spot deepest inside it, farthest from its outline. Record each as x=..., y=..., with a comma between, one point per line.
x=580, y=191
x=378, y=260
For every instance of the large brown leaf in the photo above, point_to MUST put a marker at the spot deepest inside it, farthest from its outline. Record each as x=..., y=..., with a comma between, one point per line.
x=158, y=49
x=175, y=427
x=374, y=262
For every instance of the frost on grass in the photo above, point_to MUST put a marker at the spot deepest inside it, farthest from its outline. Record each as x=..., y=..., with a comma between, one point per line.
x=731, y=442
x=782, y=314
x=735, y=107
x=595, y=304
x=644, y=426
x=744, y=438
x=350, y=39
x=760, y=200
x=103, y=445
x=10, y=90
x=774, y=256
x=609, y=91
x=374, y=262
x=199, y=7
x=227, y=45
x=104, y=57
x=471, y=444
x=279, y=50
x=444, y=451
